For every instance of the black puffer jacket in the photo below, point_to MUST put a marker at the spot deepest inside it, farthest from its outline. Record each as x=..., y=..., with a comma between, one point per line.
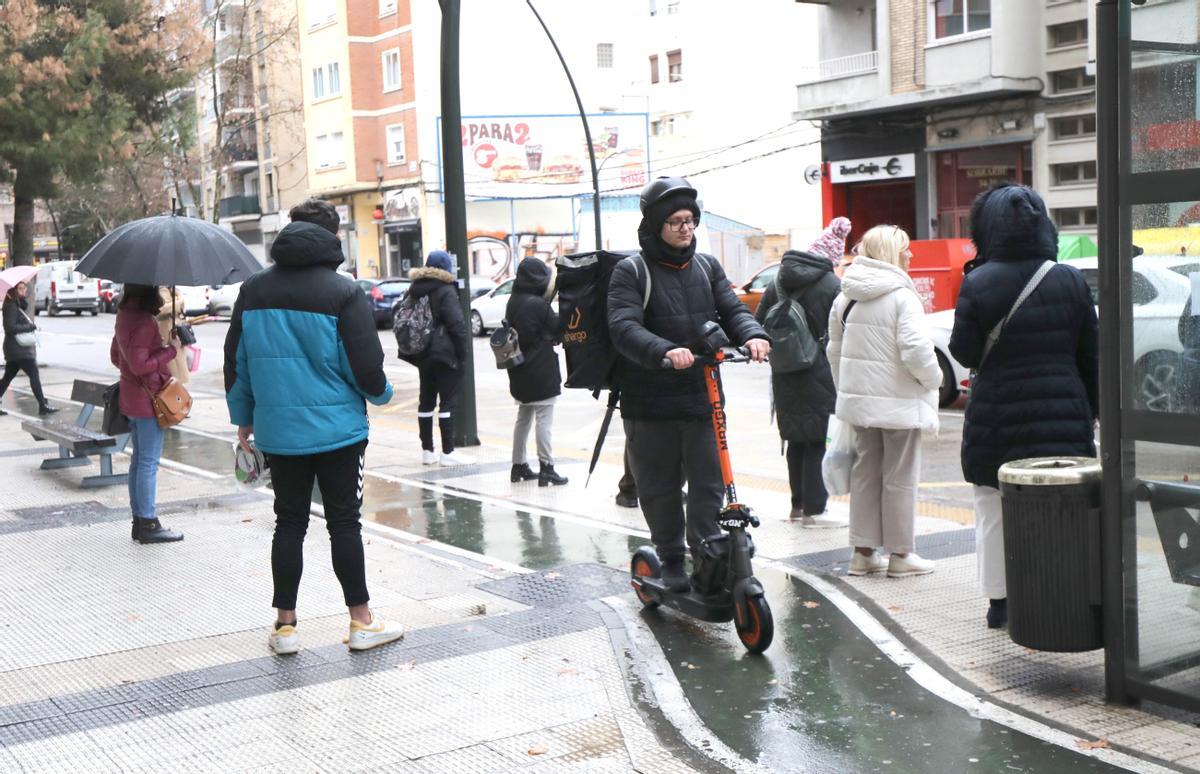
x=1036, y=395
x=536, y=323
x=682, y=299
x=449, y=344
x=804, y=400
x=16, y=322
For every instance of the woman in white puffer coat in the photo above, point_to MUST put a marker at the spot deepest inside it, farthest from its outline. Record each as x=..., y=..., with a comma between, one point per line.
x=886, y=373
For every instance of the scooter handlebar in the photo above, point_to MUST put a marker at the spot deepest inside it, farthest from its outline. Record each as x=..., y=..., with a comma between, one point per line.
x=730, y=355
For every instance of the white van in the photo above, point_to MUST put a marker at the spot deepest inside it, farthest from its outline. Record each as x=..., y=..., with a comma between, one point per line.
x=60, y=288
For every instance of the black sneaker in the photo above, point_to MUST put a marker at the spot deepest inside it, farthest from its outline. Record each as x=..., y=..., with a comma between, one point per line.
x=152, y=531
x=3, y=413
x=522, y=472
x=46, y=411
x=675, y=577
x=627, y=500
x=997, y=614
x=547, y=476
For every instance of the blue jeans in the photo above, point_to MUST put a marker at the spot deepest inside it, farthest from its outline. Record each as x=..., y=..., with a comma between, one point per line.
x=147, y=439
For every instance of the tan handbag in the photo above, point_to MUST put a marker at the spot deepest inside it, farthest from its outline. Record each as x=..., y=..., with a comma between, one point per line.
x=171, y=404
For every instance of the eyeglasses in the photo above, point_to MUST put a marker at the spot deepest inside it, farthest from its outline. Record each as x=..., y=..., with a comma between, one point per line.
x=680, y=225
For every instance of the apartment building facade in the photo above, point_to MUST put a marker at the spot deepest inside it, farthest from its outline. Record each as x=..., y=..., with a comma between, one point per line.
x=923, y=104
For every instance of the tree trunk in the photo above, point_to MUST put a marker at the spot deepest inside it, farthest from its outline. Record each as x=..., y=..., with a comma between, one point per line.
x=22, y=231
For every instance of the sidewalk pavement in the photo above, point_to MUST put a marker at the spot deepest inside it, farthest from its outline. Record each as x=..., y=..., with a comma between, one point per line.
x=205, y=631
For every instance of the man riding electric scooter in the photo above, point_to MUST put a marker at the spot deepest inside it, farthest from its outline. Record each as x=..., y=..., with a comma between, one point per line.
x=659, y=303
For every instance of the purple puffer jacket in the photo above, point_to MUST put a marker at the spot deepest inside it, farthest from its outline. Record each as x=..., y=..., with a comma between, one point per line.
x=138, y=351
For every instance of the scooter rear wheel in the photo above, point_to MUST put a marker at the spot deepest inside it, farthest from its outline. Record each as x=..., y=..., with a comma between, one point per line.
x=642, y=566
x=756, y=626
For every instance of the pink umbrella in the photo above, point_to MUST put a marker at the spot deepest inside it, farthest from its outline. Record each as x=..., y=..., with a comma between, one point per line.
x=10, y=278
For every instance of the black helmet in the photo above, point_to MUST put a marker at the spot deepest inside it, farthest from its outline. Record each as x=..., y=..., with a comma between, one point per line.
x=659, y=189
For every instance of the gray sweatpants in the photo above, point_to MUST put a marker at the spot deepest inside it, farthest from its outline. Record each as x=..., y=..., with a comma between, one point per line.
x=883, y=488
x=661, y=454
x=526, y=413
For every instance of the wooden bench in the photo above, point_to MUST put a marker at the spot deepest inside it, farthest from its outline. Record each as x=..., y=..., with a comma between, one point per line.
x=76, y=442
x=1178, y=531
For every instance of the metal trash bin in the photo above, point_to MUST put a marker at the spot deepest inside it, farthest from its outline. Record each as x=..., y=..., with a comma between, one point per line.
x=1051, y=509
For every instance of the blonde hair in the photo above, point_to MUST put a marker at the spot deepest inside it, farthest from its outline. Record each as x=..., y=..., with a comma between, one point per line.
x=884, y=243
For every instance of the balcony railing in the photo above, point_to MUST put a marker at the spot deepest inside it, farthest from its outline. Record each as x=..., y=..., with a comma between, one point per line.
x=237, y=152
x=234, y=206
x=843, y=67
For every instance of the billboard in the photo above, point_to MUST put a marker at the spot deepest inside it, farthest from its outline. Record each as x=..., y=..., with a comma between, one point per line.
x=547, y=156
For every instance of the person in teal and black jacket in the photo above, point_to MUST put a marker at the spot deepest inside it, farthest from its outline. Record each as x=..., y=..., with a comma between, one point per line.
x=301, y=359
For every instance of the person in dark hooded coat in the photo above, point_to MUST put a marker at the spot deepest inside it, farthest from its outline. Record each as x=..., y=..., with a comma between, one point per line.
x=804, y=400
x=440, y=367
x=1037, y=393
x=537, y=381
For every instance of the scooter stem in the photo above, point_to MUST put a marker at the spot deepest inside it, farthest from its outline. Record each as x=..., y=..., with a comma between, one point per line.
x=712, y=380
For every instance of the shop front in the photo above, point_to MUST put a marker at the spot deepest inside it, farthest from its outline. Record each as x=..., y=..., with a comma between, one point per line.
x=964, y=174
x=402, y=232
x=873, y=190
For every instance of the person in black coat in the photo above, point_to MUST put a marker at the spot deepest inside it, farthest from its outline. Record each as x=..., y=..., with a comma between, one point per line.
x=537, y=381
x=666, y=412
x=1037, y=392
x=804, y=400
x=441, y=365
x=17, y=356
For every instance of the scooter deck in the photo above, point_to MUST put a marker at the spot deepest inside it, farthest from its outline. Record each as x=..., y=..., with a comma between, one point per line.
x=714, y=609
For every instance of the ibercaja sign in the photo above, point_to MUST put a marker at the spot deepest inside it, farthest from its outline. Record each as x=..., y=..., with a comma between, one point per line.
x=538, y=156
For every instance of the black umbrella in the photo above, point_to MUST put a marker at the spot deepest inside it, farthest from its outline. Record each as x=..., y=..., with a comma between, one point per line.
x=169, y=250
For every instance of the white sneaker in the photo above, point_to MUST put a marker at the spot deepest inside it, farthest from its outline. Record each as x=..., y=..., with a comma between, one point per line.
x=902, y=567
x=372, y=635
x=456, y=458
x=429, y=457
x=822, y=521
x=284, y=641
x=863, y=565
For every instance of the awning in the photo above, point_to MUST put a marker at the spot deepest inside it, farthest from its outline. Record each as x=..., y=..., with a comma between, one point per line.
x=1076, y=246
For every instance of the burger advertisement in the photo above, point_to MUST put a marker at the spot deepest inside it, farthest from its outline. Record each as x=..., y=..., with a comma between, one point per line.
x=538, y=156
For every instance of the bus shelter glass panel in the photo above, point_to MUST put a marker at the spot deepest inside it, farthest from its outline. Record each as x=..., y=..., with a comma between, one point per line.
x=1164, y=94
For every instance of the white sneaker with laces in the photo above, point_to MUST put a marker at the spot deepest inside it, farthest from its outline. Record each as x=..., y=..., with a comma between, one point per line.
x=284, y=641
x=378, y=632
x=863, y=565
x=822, y=521
x=457, y=458
x=904, y=566
x=429, y=457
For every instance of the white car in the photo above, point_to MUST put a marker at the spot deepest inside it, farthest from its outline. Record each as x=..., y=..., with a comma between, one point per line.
x=221, y=299
x=195, y=299
x=1160, y=288
x=487, y=311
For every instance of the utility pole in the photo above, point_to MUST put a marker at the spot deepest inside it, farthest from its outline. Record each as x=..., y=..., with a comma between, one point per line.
x=454, y=194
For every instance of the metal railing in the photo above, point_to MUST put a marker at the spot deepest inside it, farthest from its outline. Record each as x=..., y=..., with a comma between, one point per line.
x=842, y=67
x=234, y=206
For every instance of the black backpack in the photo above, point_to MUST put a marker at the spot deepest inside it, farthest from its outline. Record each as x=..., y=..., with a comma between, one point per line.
x=583, y=280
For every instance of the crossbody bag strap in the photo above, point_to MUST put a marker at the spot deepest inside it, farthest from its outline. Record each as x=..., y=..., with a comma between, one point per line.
x=1026, y=292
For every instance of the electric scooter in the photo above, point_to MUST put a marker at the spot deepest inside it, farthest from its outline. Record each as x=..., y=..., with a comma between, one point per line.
x=723, y=585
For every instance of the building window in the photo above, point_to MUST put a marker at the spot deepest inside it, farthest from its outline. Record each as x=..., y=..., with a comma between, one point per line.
x=654, y=68
x=318, y=86
x=330, y=152
x=326, y=80
x=321, y=12
x=604, y=56
x=963, y=174
x=663, y=127
x=1069, y=34
x=1073, y=173
x=1074, y=79
x=1070, y=127
x=391, y=69
x=958, y=17
x=395, y=144
x=1074, y=217
x=674, y=66
x=387, y=7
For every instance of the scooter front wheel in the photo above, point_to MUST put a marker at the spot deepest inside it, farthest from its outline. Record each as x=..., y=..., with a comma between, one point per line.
x=645, y=564
x=755, y=625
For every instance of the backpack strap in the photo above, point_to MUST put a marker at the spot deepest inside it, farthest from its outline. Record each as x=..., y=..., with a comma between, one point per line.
x=1025, y=293
x=640, y=268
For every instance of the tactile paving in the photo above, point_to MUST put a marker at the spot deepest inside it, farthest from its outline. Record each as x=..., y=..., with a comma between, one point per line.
x=572, y=583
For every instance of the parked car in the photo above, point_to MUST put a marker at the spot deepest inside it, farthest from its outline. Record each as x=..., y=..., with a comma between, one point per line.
x=751, y=291
x=221, y=299
x=110, y=294
x=60, y=288
x=956, y=379
x=488, y=310
x=383, y=295
x=481, y=286
x=194, y=298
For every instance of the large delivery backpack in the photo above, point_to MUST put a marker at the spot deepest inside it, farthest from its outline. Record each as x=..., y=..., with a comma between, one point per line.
x=793, y=346
x=583, y=308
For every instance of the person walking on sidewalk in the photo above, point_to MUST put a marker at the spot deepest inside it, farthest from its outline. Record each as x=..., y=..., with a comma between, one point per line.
x=20, y=353
x=301, y=356
x=441, y=366
x=805, y=399
x=1036, y=387
x=537, y=382
x=143, y=360
x=666, y=412
x=887, y=375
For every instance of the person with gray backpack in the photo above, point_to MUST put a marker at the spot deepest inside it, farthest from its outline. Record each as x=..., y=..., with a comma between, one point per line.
x=432, y=335
x=795, y=314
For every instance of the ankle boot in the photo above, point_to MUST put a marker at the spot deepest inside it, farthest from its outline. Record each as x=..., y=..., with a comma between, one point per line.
x=997, y=614
x=547, y=476
x=46, y=410
x=674, y=576
x=152, y=531
x=522, y=472
x=133, y=530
